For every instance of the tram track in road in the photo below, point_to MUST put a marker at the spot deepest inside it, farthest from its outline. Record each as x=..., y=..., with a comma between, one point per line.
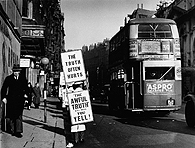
x=138, y=130
x=174, y=122
x=177, y=116
x=171, y=123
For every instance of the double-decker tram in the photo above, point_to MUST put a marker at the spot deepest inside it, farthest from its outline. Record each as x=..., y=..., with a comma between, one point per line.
x=145, y=66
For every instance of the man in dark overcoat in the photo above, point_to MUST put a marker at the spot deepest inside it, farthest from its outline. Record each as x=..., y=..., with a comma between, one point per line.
x=13, y=93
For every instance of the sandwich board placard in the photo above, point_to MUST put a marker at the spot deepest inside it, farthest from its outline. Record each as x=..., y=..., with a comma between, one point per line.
x=80, y=107
x=73, y=66
x=79, y=101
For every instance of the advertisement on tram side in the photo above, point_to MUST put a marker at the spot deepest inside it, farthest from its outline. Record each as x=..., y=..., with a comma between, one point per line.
x=159, y=87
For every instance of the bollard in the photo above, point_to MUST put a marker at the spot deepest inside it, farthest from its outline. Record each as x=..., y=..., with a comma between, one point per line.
x=45, y=106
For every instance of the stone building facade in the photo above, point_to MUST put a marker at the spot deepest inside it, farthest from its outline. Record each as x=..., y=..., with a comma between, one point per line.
x=10, y=36
x=42, y=36
x=10, y=39
x=96, y=64
x=183, y=12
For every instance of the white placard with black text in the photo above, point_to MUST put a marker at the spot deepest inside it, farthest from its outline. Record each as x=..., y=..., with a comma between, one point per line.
x=73, y=66
x=80, y=107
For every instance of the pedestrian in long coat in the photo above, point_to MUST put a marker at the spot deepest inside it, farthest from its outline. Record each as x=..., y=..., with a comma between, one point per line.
x=36, y=98
x=30, y=93
x=13, y=93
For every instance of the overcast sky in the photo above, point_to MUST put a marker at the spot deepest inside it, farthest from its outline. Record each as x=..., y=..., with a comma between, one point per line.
x=91, y=21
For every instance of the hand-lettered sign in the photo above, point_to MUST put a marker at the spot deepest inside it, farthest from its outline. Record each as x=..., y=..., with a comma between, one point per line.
x=73, y=66
x=80, y=107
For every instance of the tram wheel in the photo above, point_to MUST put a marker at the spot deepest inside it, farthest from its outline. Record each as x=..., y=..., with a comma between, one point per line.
x=190, y=113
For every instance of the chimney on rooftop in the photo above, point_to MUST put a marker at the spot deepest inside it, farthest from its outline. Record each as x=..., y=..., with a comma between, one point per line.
x=125, y=21
x=137, y=6
x=142, y=6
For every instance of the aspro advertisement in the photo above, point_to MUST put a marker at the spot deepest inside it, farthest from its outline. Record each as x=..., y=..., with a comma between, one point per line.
x=73, y=66
x=80, y=107
x=159, y=87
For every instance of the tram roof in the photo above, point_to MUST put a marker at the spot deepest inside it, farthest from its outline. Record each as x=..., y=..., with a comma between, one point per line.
x=151, y=20
x=143, y=21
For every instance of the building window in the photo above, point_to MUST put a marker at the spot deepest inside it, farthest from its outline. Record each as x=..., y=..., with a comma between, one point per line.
x=30, y=9
x=24, y=8
x=189, y=63
x=9, y=57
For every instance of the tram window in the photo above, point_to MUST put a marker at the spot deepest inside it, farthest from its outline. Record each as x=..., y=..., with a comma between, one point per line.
x=120, y=74
x=114, y=76
x=154, y=31
x=160, y=73
x=117, y=75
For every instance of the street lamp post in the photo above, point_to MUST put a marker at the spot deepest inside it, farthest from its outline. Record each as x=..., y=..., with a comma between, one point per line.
x=45, y=61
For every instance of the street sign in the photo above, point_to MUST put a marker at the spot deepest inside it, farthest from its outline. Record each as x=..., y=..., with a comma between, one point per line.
x=24, y=62
x=62, y=79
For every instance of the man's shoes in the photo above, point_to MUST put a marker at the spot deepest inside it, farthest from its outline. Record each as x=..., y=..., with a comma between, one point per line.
x=69, y=145
x=19, y=135
x=81, y=140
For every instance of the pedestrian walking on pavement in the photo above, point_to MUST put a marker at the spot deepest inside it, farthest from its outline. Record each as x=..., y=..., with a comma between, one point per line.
x=30, y=93
x=67, y=127
x=67, y=119
x=37, y=96
x=79, y=129
x=14, y=94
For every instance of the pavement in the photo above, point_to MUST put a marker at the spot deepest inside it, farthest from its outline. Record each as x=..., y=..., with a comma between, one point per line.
x=37, y=133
